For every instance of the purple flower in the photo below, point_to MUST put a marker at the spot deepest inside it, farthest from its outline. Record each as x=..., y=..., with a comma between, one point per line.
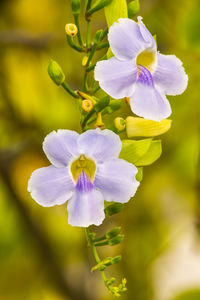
x=86, y=171
x=139, y=71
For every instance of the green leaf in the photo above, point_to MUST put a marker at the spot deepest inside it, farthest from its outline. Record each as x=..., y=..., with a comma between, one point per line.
x=132, y=151
x=153, y=153
x=117, y=9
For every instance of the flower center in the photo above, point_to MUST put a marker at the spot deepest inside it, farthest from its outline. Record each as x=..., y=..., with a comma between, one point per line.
x=147, y=59
x=83, y=164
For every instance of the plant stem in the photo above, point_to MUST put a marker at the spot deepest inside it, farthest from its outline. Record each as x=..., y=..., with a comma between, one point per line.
x=67, y=88
x=88, y=40
x=73, y=45
x=76, y=20
x=103, y=45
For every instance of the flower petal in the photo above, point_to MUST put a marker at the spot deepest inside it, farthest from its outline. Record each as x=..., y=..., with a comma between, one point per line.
x=125, y=39
x=100, y=144
x=60, y=146
x=50, y=186
x=116, y=180
x=86, y=207
x=116, y=77
x=147, y=36
x=148, y=101
x=170, y=75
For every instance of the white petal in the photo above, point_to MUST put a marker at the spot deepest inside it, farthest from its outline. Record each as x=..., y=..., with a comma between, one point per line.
x=125, y=39
x=116, y=78
x=100, y=144
x=116, y=180
x=170, y=75
x=86, y=208
x=61, y=146
x=147, y=36
x=50, y=186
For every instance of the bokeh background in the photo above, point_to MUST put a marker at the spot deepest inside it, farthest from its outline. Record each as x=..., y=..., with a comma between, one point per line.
x=41, y=256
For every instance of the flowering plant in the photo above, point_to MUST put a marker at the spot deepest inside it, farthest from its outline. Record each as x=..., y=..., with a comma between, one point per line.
x=96, y=165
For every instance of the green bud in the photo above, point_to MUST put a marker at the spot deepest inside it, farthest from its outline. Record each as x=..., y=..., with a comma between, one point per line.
x=113, y=208
x=110, y=281
x=76, y=7
x=56, y=73
x=101, y=104
x=139, y=175
x=112, y=233
x=133, y=8
x=99, y=4
x=116, y=240
x=98, y=36
x=116, y=259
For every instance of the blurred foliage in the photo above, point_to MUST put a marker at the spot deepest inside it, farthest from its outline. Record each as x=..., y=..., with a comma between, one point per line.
x=41, y=256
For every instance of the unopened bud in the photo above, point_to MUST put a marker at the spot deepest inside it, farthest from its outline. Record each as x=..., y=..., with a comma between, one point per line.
x=76, y=4
x=98, y=36
x=71, y=29
x=116, y=259
x=84, y=61
x=116, y=240
x=56, y=73
x=133, y=8
x=113, y=208
x=87, y=105
x=112, y=233
x=120, y=123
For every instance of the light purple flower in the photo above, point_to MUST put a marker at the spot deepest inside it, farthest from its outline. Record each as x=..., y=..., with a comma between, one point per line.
x=139, y=71
x=86, y=171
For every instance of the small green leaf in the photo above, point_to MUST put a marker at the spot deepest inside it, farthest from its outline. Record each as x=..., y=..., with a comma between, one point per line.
x=117, y=9
x=154, y=152
x=132, y=151
x=113, y=232
x=139, y=175
x=133, y=8
x=113, y=209
x=116, y=240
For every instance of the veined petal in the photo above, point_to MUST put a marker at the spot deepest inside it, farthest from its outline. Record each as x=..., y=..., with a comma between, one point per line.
x=86, y=207
x=100, y=144
x=170, y=75
x=60, y=146
x=50, y=186
x=148, y=101
x=125, y=39
x=116, y=180
x=147, y=36
x=116, y=77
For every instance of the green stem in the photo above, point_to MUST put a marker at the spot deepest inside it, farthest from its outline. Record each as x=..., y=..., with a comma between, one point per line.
x=73, y=45
x=76, y=20
x=96, y=256
x=96, y=90
x=103, y=45
x=67, y=88
x=88, y=39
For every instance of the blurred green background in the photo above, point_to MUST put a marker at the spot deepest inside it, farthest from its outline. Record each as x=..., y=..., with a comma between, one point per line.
x=41, y=256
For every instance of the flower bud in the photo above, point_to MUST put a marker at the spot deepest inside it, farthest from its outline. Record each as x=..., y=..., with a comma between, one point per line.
x=76, y=7
x=102, y=103
x=112, y=233
x=56, y=73
x=133, y=8
x=116, y=240
x=98, y=36
x=120, y=123
x=71, y=29
x=84, y=61
x=116, y=259
x=87, y=105
x=113, y=208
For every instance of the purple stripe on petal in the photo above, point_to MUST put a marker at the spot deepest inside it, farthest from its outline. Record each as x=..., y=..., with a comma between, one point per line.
x=144, y=76
x=84, y=184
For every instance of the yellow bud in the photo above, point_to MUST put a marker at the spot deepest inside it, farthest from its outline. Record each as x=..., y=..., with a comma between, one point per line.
x=84, y=61
x=99, y=123
x=120, y=123
x=127, y=100
x=146, y=128
x=71, y=29
x=87, y=105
